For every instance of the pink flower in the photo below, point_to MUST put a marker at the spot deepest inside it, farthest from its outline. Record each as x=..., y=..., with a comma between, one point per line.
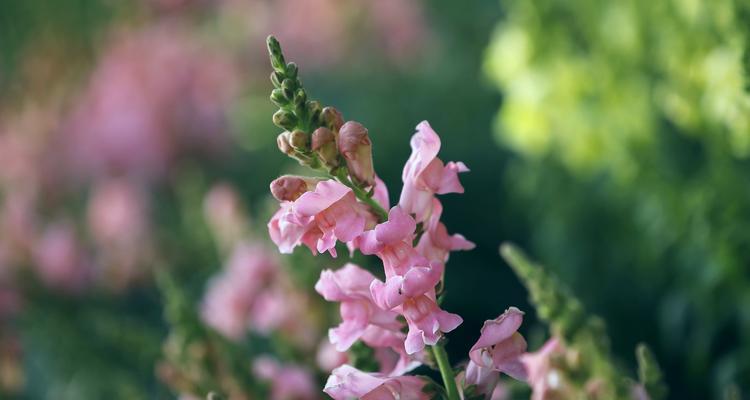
x=350, y=285
x=425, y=175
x=288, y=382
x=318, y=219
x=426, y=322
x=541, y=375
x=225, y=215
x=435, y=243
x=231, y=295
x=497, y=350
x=328, y=358
x=347, y=382
x=391, y=242
x=59, y=260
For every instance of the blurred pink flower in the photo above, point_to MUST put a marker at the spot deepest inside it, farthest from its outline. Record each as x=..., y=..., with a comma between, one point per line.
x=288, y=382
x=154, y=94
x=230, y=296
x=58, y=259
x=425, y=175
x=347, y=382
x=225, y=214
x=542, y=377
x=328, y=358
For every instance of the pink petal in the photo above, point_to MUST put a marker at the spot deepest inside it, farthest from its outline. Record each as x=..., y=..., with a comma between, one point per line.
x=400, y=226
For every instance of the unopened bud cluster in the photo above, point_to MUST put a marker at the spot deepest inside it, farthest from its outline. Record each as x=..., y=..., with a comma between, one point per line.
x=317, y=137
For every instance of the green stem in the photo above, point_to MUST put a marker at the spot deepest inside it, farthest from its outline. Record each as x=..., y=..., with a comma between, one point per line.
x=446, y=372
x=362, y=195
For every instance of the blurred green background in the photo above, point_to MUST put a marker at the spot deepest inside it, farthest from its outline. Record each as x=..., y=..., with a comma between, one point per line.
x=609, y=139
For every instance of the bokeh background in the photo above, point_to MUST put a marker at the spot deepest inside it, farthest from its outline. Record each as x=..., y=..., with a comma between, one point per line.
x=609, y=139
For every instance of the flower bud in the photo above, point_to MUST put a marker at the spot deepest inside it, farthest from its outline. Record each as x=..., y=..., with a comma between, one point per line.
x=284, y=119
x=283, y=142
x=314, y=108
x=324, y=143
x=291, y=187
x=298, y=140
x=356, y=147
x=276, y=79
x=332, y=118
x=277, y=97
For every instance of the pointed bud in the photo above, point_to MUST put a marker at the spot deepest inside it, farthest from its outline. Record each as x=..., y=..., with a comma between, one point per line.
x=277, y=97
x=291, y=187
x=276, y=79
x=284, y=119
x=291, y=70
x=300, y=98
x=314, y=109
x=332, y=118
x=356, y=147
x=283, y=142
x=324, y=143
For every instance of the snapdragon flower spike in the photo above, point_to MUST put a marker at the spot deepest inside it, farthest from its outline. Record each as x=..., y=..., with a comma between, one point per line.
x=542, y=377
x=347, y=382
x=498, y=349
x=350, y=285
x=425, y=175
x=318, y=219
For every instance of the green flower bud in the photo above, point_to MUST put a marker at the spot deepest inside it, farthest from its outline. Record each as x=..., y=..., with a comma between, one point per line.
x=278, y=98
x=285, y=119
x=276, y=79
x=314, y=109
x=291, y=70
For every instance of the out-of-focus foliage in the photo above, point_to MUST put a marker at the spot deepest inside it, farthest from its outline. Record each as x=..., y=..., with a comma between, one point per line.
x=631, y=123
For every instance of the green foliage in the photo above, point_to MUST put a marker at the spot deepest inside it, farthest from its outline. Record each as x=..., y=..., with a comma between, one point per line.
x=630, y=120
x=587, y=362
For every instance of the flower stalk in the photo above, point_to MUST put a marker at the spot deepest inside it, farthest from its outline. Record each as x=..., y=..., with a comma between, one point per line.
x=446, y=372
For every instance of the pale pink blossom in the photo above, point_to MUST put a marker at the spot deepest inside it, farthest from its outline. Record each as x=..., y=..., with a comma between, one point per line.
x=391, y=242
x=425, y=175
x=350, y=286
x=319, y=219
x=427, y=322
x=347, y=382
x=542, y=377
x=230, y=296
x=497, y=350
x=288, y=382
x=436, y=244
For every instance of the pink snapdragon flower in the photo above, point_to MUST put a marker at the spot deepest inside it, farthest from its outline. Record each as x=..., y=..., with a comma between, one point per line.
x=436, y=244
x=231, y=295
x=425, y=175
x=347, y=382
x=328, y=358
x=350, y=285
x=318, y=219
x=497, y=350
x=288, y=382
x=542, y=377
x=427, y=322
x=225, y=215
